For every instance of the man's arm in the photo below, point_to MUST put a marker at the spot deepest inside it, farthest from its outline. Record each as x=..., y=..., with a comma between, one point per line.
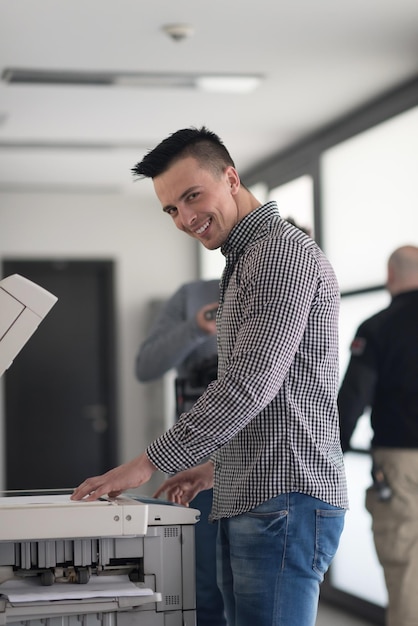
x=355, y=395
x=273, y=317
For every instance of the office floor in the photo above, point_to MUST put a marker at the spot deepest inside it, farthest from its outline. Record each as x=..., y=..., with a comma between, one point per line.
x=331, y=616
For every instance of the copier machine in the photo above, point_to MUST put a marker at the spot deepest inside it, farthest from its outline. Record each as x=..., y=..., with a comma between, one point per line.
x=125, y=561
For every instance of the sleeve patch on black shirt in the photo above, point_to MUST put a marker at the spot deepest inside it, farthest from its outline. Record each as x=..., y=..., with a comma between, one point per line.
x=358, y=346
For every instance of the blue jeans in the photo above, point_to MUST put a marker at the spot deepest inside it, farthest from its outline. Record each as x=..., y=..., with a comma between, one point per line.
x=209, y=602
x=271, y=560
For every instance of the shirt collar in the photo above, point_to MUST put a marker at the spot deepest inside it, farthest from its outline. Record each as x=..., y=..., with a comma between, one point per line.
x=248, y=228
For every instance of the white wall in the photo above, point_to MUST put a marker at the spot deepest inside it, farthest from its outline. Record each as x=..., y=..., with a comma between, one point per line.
x=152, y=258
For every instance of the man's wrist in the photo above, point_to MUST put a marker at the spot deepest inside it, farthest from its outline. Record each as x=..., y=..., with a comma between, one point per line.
x=148, y=464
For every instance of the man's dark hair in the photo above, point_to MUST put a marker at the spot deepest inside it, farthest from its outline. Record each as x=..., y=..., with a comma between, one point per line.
x=201, y=144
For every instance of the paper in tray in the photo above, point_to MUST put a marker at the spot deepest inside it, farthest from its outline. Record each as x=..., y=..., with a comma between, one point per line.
x=30, y=589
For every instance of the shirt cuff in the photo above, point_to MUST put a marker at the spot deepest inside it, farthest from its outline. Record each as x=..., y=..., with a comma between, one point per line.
x=169, y=456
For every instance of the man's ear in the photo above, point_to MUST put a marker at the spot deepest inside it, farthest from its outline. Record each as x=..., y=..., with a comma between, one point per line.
x=233, y=179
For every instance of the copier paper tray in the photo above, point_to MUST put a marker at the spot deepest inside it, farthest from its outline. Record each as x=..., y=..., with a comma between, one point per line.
x=113, y=562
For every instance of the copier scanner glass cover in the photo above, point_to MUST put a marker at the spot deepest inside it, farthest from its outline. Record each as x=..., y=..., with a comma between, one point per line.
x=23, y=305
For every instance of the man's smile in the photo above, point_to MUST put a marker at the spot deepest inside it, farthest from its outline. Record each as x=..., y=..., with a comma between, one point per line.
x=205, y=226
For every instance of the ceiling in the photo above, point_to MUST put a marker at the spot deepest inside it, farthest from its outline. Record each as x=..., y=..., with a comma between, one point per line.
x=319, y=60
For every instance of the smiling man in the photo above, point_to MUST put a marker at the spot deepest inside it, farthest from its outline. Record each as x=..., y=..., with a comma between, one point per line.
x=269, y=421
x=201, y=210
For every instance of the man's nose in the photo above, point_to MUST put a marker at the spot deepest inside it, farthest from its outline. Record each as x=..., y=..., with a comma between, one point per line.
x=187, y=215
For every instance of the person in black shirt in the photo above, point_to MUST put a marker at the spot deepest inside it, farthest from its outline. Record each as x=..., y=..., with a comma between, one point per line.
x=383, y=375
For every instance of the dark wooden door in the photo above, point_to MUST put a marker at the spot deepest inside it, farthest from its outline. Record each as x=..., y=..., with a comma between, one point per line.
x=60, y=392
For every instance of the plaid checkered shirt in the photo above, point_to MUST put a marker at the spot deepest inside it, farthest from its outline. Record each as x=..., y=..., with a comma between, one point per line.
x=270, y=420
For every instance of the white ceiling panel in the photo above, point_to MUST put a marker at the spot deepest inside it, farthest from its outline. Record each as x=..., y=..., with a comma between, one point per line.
x=319, y=59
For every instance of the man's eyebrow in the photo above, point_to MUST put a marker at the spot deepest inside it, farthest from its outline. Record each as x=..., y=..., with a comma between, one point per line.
x=185, y=193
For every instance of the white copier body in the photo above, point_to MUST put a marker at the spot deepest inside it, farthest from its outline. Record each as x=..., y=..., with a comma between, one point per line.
x=51, y=539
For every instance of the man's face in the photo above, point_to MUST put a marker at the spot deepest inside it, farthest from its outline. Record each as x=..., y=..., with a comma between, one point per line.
x=201, y=204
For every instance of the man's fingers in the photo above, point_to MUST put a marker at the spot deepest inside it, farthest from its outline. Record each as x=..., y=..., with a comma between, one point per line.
x=89, y=490
x=114, y=494
x=171, y=491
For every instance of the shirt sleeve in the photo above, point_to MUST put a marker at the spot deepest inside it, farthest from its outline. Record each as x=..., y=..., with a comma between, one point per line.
x=358, y=386
x=171, y=339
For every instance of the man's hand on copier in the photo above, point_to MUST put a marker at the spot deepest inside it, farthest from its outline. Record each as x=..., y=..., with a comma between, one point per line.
x=114, y=482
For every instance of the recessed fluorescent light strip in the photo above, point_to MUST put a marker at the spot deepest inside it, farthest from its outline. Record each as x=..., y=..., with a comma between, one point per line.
x=219, y=83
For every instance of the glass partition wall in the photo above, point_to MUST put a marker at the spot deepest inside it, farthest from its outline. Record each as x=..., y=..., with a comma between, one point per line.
x=354, y=187
x=295, y=201
x=369, y=208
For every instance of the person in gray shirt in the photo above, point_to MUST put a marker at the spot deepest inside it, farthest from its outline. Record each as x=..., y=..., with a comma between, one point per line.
x=183, y=334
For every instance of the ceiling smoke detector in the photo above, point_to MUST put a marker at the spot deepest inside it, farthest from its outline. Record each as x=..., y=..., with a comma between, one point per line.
x=178, y=32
